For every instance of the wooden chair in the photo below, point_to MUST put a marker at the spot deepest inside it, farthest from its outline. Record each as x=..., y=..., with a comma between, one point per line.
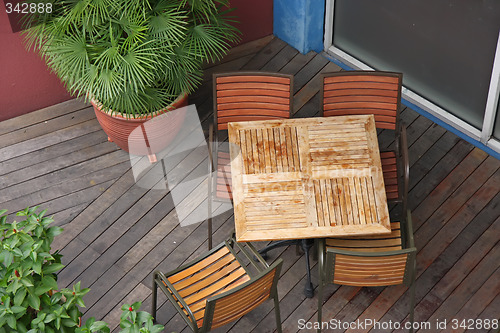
x=377, y=93
x=369, y=261
x=219, y=287
x=241, y=96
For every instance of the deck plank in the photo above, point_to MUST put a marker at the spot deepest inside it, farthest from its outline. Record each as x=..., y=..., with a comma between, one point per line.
x=41, y=115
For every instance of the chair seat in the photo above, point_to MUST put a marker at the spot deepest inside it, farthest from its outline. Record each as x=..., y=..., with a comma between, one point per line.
x=215, y=274
x=376, y=243
x=389, y=169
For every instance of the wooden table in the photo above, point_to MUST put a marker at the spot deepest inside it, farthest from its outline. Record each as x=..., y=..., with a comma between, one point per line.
x=307, y=178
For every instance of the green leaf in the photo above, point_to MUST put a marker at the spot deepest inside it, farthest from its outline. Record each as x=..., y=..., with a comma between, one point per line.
x=17, y=309
x=68, y=322
x=11, y=321
x=21, y=327
x=54, y=231
x=34, y=301
x=52, y=268
x=42, y=289
x=20, y=296
x=99, y=325
x=14, y=286
x=17, y=251
x=37, y=267
x=26, y=282
x=50, y=317
x=8, y=258
x=49, y=281
x=157, y=328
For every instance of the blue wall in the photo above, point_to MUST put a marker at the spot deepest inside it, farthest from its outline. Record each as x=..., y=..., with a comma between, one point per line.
x=300, y=23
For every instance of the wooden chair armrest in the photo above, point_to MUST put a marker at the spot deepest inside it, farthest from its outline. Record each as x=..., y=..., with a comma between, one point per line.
x=251, y=255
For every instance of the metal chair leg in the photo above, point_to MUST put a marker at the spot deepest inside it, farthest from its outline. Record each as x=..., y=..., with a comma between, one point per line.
x=309, y=289
x=320, y=282
x=209, y=220
x=277, y=313
x=209, y=233
x=412, y=302
x=154, y=299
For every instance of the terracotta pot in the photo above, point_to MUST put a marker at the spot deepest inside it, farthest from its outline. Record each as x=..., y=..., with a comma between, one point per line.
x=152, y=136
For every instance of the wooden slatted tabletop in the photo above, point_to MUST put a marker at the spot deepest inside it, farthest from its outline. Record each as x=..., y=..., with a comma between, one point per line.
x=307, y=178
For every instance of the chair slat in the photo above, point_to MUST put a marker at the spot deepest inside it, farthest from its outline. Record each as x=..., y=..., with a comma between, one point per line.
x=354, y=93
x=216, y=287
x=383, y=108
x=253, y=85
x=252, y=92
x=358, y=99
x=366, y=244
x=265, y=106
x=254, y=78
x=200, y=280
x=272, y=100
x=253, y=112
x=362, y=77
x=359, y=85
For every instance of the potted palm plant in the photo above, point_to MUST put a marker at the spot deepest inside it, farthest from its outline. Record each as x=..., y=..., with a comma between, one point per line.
x=133, y=59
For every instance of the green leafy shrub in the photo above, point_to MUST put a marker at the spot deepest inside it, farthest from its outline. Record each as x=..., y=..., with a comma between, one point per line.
x=30, y=297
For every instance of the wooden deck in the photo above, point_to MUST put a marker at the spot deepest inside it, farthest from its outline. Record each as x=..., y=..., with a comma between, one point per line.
x=117, y=233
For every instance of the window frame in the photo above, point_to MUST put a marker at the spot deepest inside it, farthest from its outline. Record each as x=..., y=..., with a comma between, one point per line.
x=483, y=135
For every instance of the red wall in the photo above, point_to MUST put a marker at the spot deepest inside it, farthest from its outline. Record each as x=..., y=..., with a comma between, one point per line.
x=255, y=18
x=25, y=82
x=27, y=85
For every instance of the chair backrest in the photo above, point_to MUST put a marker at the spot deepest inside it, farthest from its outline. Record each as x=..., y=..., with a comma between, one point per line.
x=235, y=303
x=370, y=271
x=372, y=260
x=245, y=96
x=363, y=92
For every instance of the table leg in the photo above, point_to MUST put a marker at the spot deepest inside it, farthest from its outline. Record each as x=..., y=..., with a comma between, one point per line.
x=306, y=245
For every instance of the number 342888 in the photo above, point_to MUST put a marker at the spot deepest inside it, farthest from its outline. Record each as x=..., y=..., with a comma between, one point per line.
x=28, y=8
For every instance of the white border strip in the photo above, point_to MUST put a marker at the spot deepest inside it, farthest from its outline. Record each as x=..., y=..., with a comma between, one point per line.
x=494, y=144
x=329, y=11
x=492, y=101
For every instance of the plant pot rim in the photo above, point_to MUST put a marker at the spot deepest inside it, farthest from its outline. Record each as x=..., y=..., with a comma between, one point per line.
x=139, y=117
